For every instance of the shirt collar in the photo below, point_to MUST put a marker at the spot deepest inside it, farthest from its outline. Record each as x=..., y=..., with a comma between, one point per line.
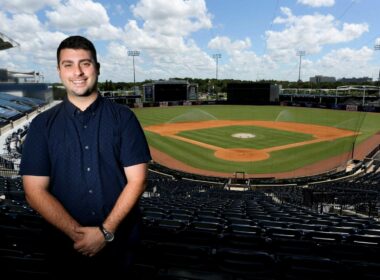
x=72, y=109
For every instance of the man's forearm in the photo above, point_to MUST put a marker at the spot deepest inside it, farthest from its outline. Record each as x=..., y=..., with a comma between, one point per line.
x=53, y=211
x=126, y=201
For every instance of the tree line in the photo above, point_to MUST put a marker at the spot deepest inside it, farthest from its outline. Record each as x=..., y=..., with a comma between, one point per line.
x=220, y=85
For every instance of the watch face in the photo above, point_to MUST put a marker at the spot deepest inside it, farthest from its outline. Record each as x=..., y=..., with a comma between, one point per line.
x=108, y=236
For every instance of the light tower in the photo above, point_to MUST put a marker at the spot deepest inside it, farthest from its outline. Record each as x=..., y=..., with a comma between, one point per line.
x=216, y=56
x=133, y=54
x=300, y=54
x=377, y=48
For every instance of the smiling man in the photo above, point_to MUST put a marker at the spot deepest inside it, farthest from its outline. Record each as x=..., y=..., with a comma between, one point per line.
x=78, y=69
x=84, y=168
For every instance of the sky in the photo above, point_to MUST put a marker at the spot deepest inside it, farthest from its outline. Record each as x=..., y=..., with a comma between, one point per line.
x=252, y=39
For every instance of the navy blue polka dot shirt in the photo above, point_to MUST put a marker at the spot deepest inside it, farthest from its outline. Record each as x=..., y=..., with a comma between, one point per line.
x=84, y=154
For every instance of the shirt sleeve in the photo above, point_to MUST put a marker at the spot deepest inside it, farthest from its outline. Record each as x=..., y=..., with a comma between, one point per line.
x=35, y=154
x=134, y=146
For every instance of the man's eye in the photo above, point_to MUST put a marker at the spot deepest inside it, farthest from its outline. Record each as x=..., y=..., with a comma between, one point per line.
x=67, y=65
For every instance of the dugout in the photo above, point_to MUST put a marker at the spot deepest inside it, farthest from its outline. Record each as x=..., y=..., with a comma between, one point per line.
x=170, y=90
x=252, y=93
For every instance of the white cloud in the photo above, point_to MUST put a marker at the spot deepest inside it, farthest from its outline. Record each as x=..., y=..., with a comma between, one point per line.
x=173, y=18
x=347, y=62
x=317, y=3
x=23, y=22
x=310, y=33
x=104, y=32
x=225, y=43
x=75, y=15
x=22, y=6
x=164, y=38
x=164, y=32
x=241, y=62
x=135, y=36
x=37, y=44
x=23, y=28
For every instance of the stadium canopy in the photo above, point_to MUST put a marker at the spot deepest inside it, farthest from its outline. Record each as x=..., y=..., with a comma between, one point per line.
x=7, y=43
x=9, y=114
x=358, y=87
x=13, y=105
x=25, y=101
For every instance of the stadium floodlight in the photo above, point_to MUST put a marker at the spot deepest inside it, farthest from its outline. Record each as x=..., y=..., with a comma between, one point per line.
x=300, y=54
x=216, y=56
x=377, y=48
x=133, y=54
x=7, y=43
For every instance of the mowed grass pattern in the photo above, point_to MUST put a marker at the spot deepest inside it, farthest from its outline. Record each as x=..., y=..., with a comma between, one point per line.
x=280, y=161
x=263, y=137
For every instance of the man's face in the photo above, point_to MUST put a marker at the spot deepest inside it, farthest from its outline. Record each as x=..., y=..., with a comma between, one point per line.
x=78, y=72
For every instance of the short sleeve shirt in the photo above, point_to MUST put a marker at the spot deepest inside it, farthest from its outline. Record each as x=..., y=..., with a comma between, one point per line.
x=84, y=154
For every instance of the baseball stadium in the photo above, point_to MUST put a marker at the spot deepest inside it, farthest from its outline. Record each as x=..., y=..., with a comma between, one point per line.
x=264, y=184
x=256, y=134
x=260, y=141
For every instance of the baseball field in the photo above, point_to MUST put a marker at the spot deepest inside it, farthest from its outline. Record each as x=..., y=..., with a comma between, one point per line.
x=275, y=141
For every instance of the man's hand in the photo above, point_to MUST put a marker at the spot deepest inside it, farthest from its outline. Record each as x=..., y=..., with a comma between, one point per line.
x=92, y=241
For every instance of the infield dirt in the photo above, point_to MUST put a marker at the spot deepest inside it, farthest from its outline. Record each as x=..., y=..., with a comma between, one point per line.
x=320, y=134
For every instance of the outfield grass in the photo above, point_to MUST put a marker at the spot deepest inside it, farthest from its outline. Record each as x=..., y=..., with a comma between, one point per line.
x=280, y=161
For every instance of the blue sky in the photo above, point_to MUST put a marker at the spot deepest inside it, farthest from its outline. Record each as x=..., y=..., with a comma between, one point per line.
x=257, y=39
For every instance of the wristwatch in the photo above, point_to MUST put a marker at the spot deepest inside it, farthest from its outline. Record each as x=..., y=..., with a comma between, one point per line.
x=108, y=236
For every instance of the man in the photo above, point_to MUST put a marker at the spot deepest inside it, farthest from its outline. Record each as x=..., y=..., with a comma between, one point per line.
x=84, y=168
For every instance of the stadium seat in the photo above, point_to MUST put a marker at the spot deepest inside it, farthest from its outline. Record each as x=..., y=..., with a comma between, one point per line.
x=248, y=264
x=365, y=239
x=290, y=233
x=363, y=270
x=243, y=240
x=172, y=254
x=324, y=236
x=310, y=267
x=24, y=266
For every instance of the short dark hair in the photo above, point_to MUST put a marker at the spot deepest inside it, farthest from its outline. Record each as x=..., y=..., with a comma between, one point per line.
x=79, y=43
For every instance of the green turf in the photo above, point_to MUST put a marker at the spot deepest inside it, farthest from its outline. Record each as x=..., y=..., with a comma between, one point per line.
x=285, y=160
x=264, y=137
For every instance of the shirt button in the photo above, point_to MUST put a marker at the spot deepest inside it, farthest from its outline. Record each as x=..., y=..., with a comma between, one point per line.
x=86, y=147
x=88, y=169
x=93, y=213
x=90, y=191
x=85, y=126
